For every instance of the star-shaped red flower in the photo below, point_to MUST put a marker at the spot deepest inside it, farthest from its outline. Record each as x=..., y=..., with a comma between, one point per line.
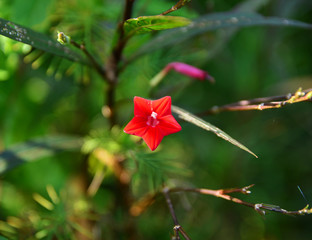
x=152, y=120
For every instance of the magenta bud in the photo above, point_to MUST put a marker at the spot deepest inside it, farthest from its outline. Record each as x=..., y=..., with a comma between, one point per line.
x=190, y=71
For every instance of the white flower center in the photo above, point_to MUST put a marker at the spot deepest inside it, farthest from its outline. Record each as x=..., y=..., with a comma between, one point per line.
x=154, y=115
x=152, y=120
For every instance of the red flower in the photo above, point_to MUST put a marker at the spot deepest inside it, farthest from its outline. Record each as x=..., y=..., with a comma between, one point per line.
x=152, y=120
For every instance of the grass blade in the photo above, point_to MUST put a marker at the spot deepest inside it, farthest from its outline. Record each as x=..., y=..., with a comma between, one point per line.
x=36, y=149
x=38, y=40
x=189, y=117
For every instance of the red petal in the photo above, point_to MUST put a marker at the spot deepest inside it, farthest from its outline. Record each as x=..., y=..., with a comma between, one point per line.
x=162, y=106
x=153, y=137
x=168, y=125
x=142, y=107
x=137, y=126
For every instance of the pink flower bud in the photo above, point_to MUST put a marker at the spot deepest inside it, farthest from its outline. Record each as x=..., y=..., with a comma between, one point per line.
x=189, y=70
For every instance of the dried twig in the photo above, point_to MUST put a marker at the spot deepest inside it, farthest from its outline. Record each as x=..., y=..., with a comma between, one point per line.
x=177, y=6
x=177, y=227
x=263, y=103
x=261, y=208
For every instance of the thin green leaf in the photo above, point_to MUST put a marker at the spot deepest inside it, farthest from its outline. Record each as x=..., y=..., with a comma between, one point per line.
x=147, y=24
x=251, y=5
x=223, y=37
x=38, y=40
x=189, y=117
x=211, y=22
x=36, y=149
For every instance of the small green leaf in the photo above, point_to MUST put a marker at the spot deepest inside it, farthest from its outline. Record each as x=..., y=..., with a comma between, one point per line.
x=36, y=149
x=189, y=117
x=38, y=40
x=147, y=24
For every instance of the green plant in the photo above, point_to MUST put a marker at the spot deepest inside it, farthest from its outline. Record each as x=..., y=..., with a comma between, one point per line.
x=67, y=96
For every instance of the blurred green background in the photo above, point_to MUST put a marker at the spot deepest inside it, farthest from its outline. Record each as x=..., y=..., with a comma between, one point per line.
x=41, y=94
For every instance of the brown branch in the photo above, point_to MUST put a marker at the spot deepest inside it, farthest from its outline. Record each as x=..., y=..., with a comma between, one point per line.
x=177, y=6
x=223, y=193
x=259, y=207
x=94, y=63
x=170, y=206
x=112, y=65
x=177, y=228
x=121, y=42
x=173, y=215
x=244, y=190
x=122, y=189
x=217, y=193
x=263, y=103
x=128, y=10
